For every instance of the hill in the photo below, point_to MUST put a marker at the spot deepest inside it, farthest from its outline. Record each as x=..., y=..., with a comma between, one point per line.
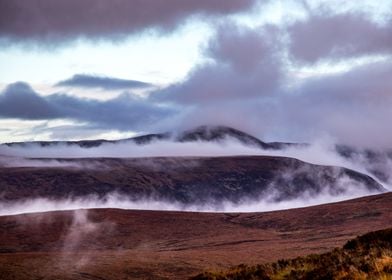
x=376, y=162
x=121, y=244
x=202, y=133
x=184, y=180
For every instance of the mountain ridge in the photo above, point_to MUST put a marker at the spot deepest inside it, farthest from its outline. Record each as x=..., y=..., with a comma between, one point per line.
x=205, y=133
x=376, y=163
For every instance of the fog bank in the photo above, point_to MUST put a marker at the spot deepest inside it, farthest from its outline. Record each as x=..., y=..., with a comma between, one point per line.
x=121, y=202
x=321, y=152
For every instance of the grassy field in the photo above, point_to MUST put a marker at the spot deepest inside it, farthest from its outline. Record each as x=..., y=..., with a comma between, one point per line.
x=366, y=257
x=128, y=244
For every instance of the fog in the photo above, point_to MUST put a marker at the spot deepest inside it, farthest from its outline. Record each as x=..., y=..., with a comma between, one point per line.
x=321, y=153
x=121, y=202
x=13, y=161
x=167, y=148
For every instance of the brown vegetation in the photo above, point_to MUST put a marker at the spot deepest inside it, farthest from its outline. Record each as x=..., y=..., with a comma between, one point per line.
x=126, y=244
x=366, y=257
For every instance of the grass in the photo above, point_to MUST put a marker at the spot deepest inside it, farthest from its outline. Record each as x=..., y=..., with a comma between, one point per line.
x=366, y=257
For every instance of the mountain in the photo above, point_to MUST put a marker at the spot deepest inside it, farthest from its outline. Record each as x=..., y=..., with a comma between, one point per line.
x=377, y=162
x=221, y=133
x=229, y=185
x=125, y=244
x=184, y=180
x=201, y=133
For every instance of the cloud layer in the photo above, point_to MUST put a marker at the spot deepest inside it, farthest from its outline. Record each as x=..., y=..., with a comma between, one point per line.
x=125, y=112
x=119, y=202
x=338, y=36
x=250, y=81
x=51, y=22
x=245, y=65
x=252, y=78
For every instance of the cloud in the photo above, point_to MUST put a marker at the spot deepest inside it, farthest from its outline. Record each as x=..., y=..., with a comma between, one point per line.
x=351, y=107
x=247, y=83
x=250, y=81
x=51, y=22
x=19, y=100
x=245, y=64
x=338, y=36
x=124, y=112
x=105, y=83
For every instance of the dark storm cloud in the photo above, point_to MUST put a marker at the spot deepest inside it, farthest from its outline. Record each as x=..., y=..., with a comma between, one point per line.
x=108, y=83
x=19, y=100
x=54, y=21
x=339, y=36
x=246, y=64
x=124, y=112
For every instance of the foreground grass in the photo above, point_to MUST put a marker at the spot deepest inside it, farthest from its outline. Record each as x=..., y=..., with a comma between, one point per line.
x=366, y=257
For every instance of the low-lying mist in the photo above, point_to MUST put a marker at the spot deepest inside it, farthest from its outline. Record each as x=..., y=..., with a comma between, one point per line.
x=164, y=148
x=121, y=202
x=320, y=152
x=33, y=155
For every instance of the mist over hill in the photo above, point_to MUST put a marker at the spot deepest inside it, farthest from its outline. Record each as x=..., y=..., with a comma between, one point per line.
x=204, y=169
x=199, y=134
x=184, y=180
x=377, y=163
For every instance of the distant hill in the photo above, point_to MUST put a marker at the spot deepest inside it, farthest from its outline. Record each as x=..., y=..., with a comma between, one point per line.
x=201, y=133
x=377, y=163
x=184, y=180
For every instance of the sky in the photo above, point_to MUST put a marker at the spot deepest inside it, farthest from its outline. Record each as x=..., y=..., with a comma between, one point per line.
x=287, y=70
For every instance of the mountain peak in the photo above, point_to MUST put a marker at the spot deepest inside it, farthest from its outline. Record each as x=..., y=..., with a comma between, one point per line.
x=219, y=133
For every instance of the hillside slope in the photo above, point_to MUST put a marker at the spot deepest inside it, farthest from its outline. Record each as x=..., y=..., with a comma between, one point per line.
x=366, y=257
x=184, y=180
x=121, y=244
